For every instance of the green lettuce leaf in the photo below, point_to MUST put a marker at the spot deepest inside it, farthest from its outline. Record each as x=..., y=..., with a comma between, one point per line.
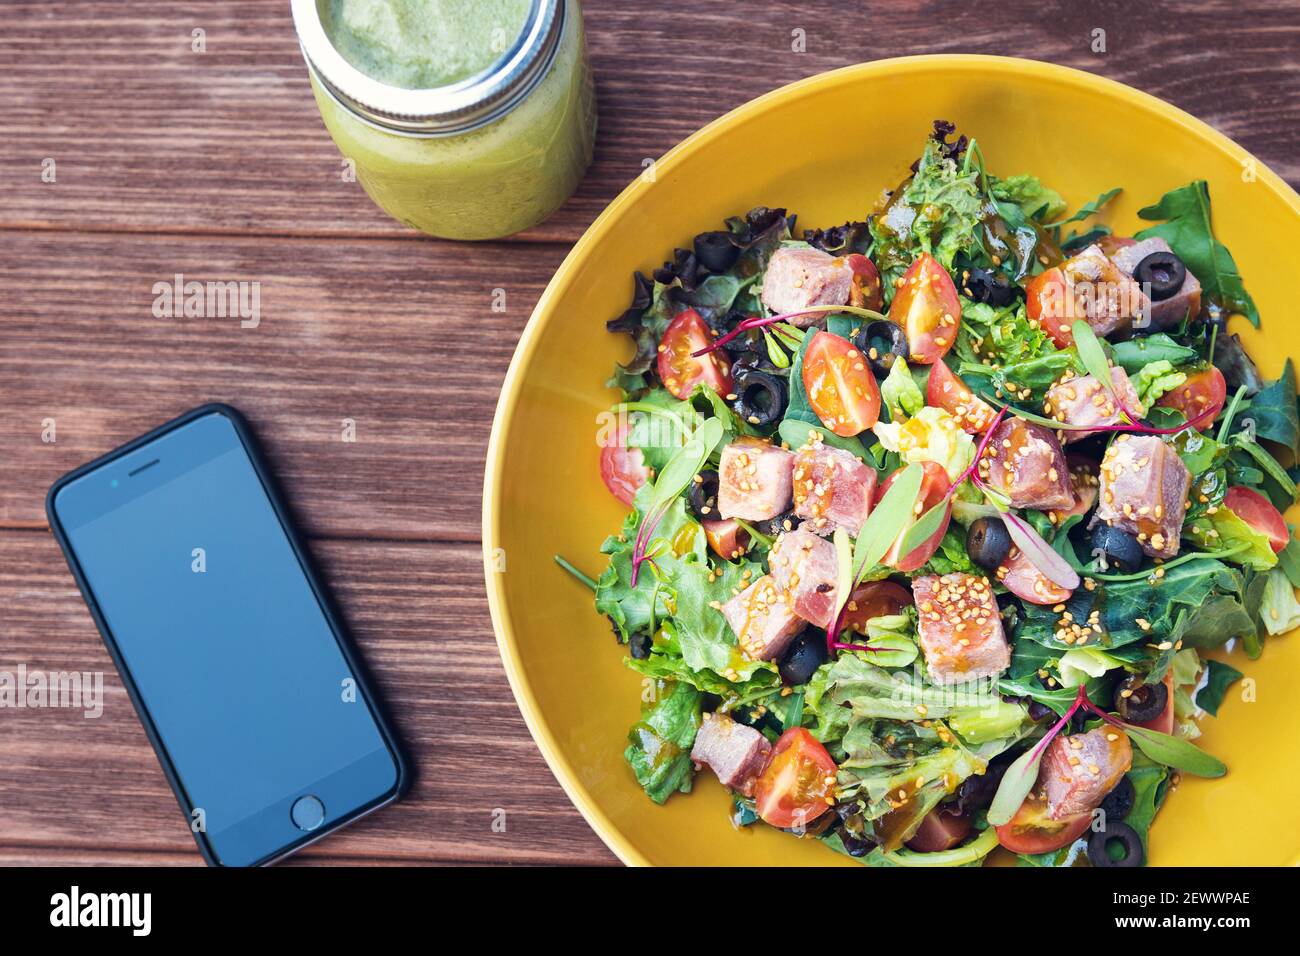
x=900, y=392
x=1155, y=379
x=1035, y=200
x=1225, y=529
x=1279, y=610
x=659, y=748
x=1002, y=335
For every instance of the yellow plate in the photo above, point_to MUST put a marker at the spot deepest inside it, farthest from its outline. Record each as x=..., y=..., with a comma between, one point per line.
x=825, y=148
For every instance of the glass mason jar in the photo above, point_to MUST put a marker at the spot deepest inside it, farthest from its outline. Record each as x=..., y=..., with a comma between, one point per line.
x=479, y=156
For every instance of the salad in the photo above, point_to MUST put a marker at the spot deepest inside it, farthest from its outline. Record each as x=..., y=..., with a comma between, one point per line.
x=936, y=516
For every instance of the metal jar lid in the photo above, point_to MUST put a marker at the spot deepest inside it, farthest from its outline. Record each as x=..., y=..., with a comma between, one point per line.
x=444, y=110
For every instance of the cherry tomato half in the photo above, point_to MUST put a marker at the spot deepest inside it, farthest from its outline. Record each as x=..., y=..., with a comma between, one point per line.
x=1164, y=722
x=623, y=469
x=865, y=290
x=934, y=485
x=1258, y=512
x=797, y=782
x=1045, y=296
x=927, y=307
x=679, y=369
x=840, y=386
x=1031, y=830
x=875, y=599
x=945, y=390
x=940, y=829
x=1200, y=398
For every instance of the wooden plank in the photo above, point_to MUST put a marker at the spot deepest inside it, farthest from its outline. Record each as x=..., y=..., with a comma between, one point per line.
x=148, y=135
x=91, y=790
x=401, y=338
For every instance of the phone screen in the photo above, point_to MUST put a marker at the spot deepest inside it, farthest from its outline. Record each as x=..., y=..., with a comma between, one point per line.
x=233, y=658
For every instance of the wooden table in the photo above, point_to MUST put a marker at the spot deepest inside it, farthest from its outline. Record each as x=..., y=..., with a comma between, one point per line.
x=215, y=165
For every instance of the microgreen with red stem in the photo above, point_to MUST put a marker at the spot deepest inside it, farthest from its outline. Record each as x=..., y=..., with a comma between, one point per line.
x=1020, y=777
x=1171, y=751
x=1135, y=426
x=670, y=483
x=758, y=322
x=888, y=519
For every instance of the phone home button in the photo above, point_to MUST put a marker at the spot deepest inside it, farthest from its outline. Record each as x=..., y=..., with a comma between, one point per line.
x=307, y=813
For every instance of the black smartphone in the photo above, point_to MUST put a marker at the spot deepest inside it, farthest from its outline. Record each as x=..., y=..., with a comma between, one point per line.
x=226, y=640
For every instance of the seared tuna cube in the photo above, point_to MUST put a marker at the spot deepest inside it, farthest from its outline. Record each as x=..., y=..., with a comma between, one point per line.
x=754, y=480
x=1170, y=312
x=1144, y=486
x=763, y=620
x=805, y=566
x=1025, y=462
x=1080, y=769
x=734, y=752
x=1144, y=492
x=832, y=489
x=1101, y=293
x=798, y=277
x=1085, y=401
x=959, y=627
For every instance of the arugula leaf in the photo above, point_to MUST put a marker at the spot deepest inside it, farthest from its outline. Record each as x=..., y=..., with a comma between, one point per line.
x=1278, y=486
x=1221, y=676
x=1171, y=607
x=1274, y=410
x=1076, y=242
x=659, y=748
x=1088, y=210
x=1035, y=374
x=1188, y=230
x=796, y=434
x=1148, y=778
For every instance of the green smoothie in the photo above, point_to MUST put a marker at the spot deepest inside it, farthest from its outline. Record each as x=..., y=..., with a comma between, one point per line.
x=420, y=44
x=485, y=179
